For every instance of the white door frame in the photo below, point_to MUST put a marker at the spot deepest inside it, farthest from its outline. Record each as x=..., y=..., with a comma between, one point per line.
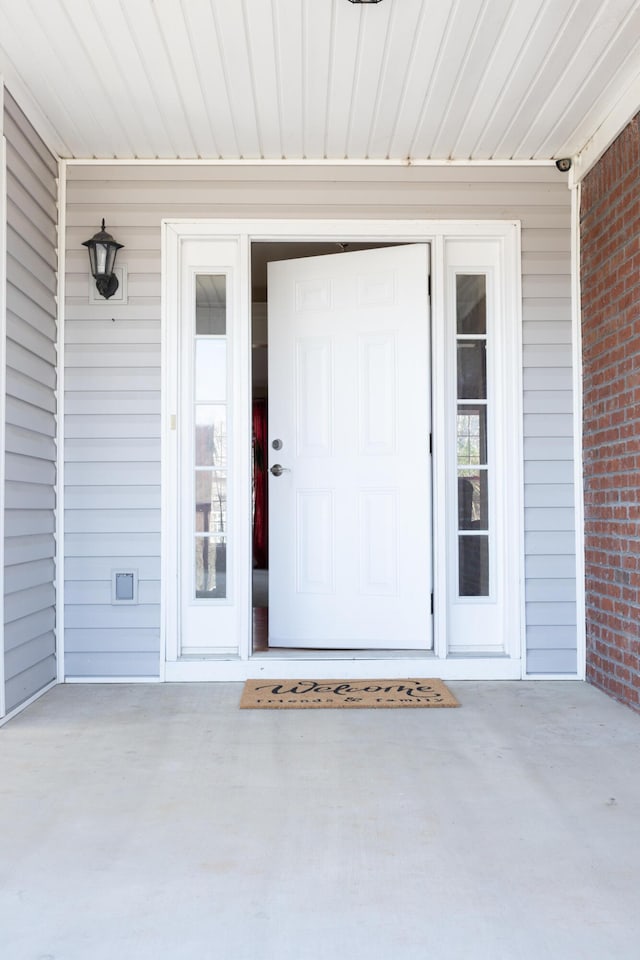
x=510, y=665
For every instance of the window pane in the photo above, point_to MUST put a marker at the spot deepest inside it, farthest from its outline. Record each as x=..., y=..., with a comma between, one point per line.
x=211, y=436
x=211, y=305
x=211, y=568
x=471, y=435
x=473, y=500
x=472, y=370
x=211, y=371
x=471, y=303
x=473, y=563
x=211, y=502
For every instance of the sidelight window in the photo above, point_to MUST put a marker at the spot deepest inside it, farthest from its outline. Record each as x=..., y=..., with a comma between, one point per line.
x=471, y=436
x=210, y=438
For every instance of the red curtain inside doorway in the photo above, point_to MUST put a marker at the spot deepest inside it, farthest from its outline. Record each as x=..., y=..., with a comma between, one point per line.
x=260, y=552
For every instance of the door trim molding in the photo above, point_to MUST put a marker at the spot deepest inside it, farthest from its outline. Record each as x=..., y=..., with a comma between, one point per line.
x=246, y=231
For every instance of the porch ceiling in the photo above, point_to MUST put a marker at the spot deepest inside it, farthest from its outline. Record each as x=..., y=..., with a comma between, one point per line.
x=294, y=79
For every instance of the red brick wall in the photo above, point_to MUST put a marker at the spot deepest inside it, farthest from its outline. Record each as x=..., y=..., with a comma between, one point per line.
x=610, y=276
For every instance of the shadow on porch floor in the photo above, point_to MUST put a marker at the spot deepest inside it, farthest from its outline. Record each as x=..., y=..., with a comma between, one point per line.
x=162, y=822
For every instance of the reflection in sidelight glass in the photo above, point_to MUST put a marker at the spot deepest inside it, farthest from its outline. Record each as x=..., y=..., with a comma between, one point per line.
x=472, y=369
x=473, y=559
x=210, y=438
x=471, y=303
x=471, y=434
x=211, y=568
x=211, y=502
x=211, y=305
x=473, y=500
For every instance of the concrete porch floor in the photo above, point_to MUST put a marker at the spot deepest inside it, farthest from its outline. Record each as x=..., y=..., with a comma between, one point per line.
x=162, y=822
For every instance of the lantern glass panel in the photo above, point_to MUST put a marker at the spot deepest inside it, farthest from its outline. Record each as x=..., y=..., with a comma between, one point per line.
x=102, y=257
x=111, y=258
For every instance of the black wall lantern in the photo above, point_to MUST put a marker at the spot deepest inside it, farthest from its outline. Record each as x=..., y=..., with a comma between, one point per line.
x=365, y=1
x=102, y=256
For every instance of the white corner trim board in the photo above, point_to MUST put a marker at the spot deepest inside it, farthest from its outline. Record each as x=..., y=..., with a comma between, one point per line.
x=576, y=322
x=3, y=371
x=60, y=460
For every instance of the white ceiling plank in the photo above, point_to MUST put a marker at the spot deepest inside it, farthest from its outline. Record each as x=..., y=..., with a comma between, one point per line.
x=542, y=36
x=123, y=43
x=453, y=55
x=403, y=27
x=11, y=80
x=101, y=111
x=36, y=62
x=118, y=114
x=318, y=32
x=478, y=63
x=162, y=71
x=546, y=80
x=420, y=76
x=288, y=80
x=580, y=90
x=342, y=75
x=373, y=43
x=260, y=34
x=233, y=51
x=204, y=40
x=288, y=41
x=180, y=58
x=576, y=69
x=496, y=77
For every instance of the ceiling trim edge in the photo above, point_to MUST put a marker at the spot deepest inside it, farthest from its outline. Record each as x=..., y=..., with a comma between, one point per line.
x=324, y=162
x=29, y=106
x=623, y=111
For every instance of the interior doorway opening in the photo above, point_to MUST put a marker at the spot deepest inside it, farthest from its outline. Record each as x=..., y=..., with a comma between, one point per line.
x=263, y=253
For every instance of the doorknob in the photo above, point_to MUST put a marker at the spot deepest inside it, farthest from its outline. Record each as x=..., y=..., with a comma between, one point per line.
x=277, y=470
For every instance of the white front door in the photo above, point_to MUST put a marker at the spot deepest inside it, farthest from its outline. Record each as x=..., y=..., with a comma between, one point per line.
x=349, y=424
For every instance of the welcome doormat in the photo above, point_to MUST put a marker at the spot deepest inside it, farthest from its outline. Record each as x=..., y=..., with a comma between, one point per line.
x=318, y=694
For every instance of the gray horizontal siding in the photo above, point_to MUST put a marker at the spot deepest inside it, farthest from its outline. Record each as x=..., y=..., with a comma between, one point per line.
x=113, y=374
x=31, y=379
x=550, y=588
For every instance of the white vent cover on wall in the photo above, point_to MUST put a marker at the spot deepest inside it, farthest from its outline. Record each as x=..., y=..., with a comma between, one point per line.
x=124, y=586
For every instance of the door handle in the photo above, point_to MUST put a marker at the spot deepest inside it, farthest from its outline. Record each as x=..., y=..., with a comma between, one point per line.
x=277, y=470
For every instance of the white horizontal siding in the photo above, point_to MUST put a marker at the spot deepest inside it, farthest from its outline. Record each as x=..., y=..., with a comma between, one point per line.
x=130, y=545
x=98, y=592
x=26, y=469
x=549, y=495
x=117, y=425
x=99, y=568
x=19, y=632
x=112, y=498
x=543, y=566
x=115, y=662
x=24, y=549
x=538, y=543
x=31, y=360
x=114, y=521
x=140, y=642
x=113, y=375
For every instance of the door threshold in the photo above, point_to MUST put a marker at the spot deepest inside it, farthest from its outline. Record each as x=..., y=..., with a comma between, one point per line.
x=304, y=653
x=343, y=664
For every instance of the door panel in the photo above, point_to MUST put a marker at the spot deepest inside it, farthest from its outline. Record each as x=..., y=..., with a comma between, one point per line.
x=349, y=397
